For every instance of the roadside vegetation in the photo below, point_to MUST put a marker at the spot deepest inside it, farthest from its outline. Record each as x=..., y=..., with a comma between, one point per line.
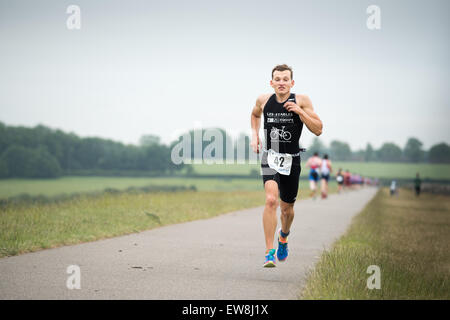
x=29, y=227
x=406, y=236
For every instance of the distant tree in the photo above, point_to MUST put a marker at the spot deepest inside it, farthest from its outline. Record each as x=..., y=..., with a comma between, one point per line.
x=88, y=153
x=369, y=154
x=43, y=165
x=413, y=150
x=149, y=139
x=4, y=173
x=358, y=155
x=316, y=146
x=439, y=153
x=3, y=138
x=44, y=152
x=16, y=158
x=340, y=150
x=389, y=152
x=31, y=163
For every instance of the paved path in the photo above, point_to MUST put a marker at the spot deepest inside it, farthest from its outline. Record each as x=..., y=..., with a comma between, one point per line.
x=217, y=258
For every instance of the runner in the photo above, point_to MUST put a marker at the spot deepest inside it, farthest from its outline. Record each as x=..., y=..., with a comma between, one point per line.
x=314, y=164
x=340, y=180
x=347, y=179
x=284, y=116
x=417, y=184
x=325, y=170
x=393, y=188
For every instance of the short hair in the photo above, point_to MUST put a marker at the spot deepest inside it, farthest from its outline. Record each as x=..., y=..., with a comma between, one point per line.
x=316, y=153
x=283, y=67
x=325, y=156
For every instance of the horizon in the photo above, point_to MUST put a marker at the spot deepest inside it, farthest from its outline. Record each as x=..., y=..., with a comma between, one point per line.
x=233, y=137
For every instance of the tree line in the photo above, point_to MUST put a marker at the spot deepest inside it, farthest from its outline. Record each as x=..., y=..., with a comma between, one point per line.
x=412, y=152
x=42, y=152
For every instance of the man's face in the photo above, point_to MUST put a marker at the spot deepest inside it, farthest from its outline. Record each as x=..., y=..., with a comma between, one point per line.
x=282, y=82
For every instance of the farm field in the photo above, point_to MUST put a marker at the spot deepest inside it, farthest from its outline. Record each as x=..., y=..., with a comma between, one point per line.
x=70, y=185
x=77, y=184
x=372, y=169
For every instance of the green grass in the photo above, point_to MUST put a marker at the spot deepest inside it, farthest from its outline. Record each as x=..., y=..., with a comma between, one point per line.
x=29, y=228
x=69, y=185
x=373, y=169
x=397, y=170
x=407, y=237
x=76, y=184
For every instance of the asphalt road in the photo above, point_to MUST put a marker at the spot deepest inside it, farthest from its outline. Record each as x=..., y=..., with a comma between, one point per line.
x=218, y=258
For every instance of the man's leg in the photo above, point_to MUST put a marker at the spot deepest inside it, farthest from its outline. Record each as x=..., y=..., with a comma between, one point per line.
x=288, y=195
x=322, y=187
x=312, y=186
x=270, y=212
x=287, y=216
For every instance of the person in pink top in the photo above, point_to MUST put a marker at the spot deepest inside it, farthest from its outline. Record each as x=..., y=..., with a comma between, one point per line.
x=314, y=164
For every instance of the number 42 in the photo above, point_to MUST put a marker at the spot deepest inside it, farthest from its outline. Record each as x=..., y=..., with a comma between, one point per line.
x=281, y=161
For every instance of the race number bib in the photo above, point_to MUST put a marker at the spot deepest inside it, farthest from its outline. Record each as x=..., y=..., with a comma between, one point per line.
x=281, y=162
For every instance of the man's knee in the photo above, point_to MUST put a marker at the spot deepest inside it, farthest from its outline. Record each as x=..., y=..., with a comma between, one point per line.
x=271, y=201
x=287, y=209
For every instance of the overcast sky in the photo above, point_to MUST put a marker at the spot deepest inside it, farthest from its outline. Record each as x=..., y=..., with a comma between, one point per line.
x=158, y=67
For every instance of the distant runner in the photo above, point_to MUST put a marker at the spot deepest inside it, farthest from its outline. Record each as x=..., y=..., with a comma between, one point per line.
x=393, y=187
x=325, y=170
x=284, y=116
x=347, y=176
x=340, y=180
x=314, y=164
x=417, y=184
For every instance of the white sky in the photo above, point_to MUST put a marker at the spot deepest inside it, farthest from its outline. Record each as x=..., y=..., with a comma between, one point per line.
x=158, y=67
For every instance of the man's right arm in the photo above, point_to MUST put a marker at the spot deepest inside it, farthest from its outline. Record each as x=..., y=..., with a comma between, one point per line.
x=256, y=123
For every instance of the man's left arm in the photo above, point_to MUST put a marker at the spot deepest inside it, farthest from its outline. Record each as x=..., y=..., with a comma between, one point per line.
x=306, y=112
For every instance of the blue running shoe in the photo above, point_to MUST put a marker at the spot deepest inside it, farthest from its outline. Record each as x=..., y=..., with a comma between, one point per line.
x=270, y=259
x=282, y=252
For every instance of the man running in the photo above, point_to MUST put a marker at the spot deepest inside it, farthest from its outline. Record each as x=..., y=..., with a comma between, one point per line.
x=284, y=116
x=325, y=170
x=314, y=164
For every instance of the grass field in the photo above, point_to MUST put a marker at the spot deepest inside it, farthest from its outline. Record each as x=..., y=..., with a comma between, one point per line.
x=76, y=184
x=407, y=237
x=372, y=169
x=69, y=185
x=31, y=228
